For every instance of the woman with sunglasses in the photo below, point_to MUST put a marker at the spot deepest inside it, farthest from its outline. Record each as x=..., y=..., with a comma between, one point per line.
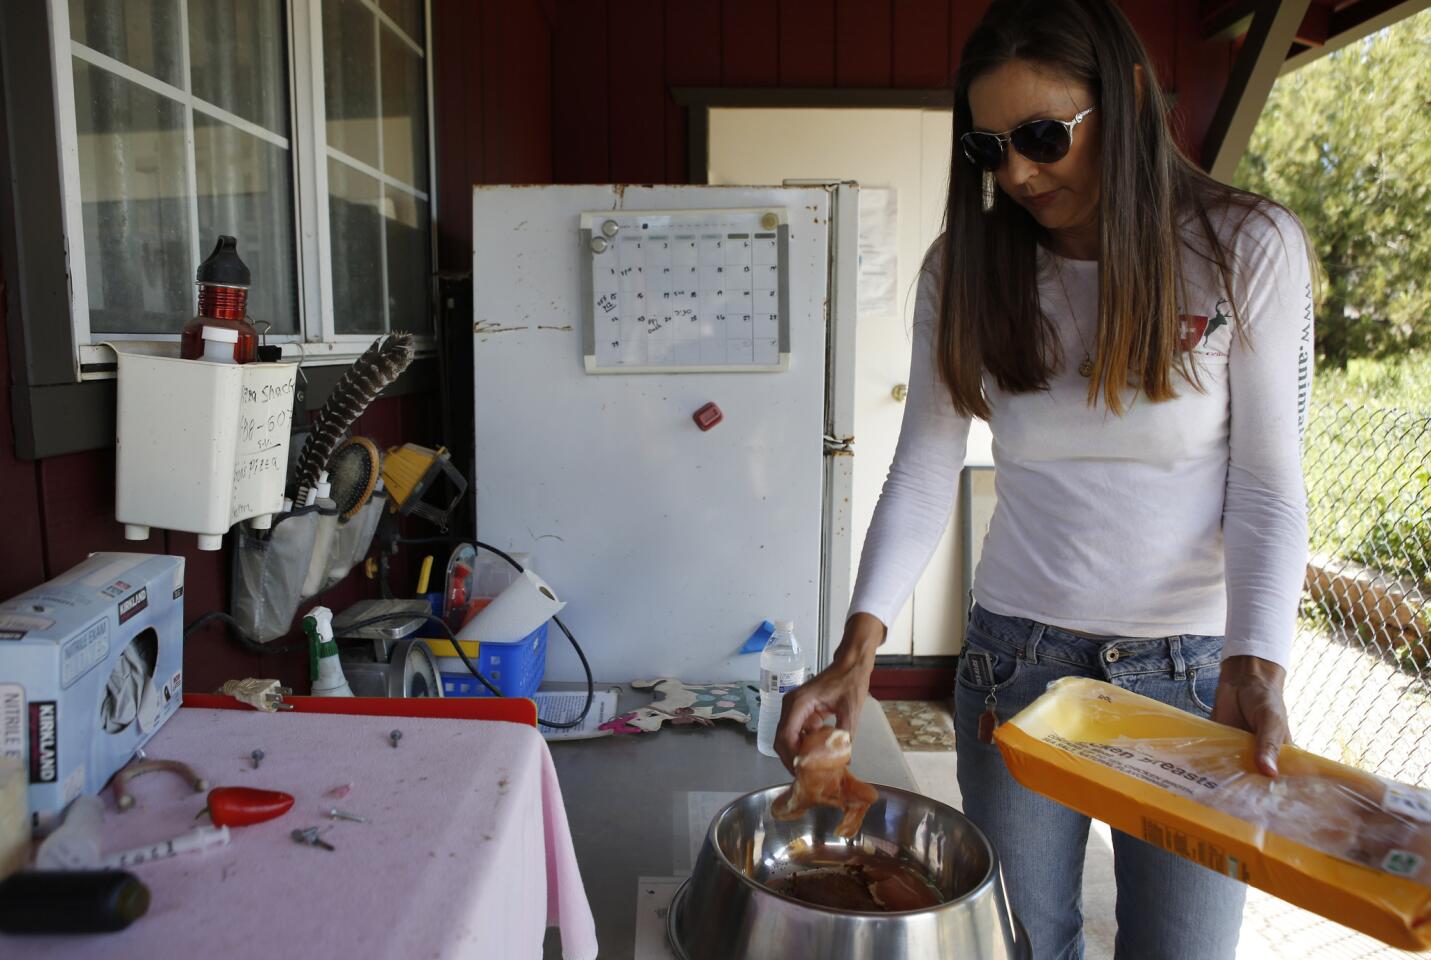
x=1138, y=337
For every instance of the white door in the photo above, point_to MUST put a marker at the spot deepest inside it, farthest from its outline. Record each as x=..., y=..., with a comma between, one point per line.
x=900, y=158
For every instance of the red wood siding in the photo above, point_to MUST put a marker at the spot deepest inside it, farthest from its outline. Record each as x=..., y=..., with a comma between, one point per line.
x=635, y=33
x=1200, y=71
x=492, y=105
x=693, y=56
x=581, y=83
x=750, y=43
x=863, y=49
x=610, y=102
x=807, y=43
x=922, y=55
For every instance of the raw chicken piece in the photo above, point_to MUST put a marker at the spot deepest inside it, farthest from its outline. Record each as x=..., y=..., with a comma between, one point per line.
x=899, y=888
x=823, y=778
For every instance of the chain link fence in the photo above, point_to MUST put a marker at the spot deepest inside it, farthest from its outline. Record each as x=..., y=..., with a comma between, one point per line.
x=1360, y=686
x=1360, y=689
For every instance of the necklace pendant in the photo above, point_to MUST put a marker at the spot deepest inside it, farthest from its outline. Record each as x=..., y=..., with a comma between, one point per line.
x=1085, y=369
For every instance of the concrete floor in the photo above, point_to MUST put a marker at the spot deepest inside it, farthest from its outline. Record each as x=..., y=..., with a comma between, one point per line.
x=1271, y=928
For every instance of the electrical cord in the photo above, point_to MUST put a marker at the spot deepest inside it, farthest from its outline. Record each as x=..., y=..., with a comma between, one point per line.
x=245, y=641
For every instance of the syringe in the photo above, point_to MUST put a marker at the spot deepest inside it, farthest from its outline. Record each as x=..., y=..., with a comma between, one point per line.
x=200, y=838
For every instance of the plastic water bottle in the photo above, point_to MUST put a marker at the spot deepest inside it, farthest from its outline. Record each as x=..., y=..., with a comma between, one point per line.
x=782, y=669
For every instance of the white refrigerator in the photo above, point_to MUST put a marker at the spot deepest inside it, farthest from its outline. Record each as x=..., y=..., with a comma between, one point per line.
x=606, y=318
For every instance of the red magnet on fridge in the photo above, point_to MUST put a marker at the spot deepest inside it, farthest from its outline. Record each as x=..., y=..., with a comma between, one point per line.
x=708, y=416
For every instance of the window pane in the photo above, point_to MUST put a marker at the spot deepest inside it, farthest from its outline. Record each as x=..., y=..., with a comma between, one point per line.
x=409, y=283
x=404, y=112
x=141, y=33
x=350, y=79
x=138, y=253
x=245, y=190
x=408, y=15
x=238, y=56
x=355, y=226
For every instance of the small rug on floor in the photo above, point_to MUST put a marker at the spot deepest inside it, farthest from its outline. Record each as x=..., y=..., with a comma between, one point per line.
x=921, y=724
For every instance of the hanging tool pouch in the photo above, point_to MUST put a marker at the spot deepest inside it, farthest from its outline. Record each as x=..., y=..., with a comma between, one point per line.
x=268, y=572
x=353, y=538
x=270, y=566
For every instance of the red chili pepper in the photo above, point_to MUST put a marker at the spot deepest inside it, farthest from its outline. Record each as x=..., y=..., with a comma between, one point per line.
x=242, y=806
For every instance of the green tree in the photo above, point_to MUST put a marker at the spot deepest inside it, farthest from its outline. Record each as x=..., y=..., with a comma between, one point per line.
x=1345, y=143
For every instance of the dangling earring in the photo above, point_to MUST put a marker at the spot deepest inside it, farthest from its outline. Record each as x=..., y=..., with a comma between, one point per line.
x=988, y=190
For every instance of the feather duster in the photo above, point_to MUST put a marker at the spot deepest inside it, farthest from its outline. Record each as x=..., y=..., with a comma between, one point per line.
x=380, y=365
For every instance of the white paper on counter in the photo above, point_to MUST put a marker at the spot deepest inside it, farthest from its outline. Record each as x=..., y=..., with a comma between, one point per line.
x=565, y=706
x=653, y=902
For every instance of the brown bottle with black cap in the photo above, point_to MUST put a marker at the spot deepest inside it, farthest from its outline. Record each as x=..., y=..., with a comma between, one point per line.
x=223, y=281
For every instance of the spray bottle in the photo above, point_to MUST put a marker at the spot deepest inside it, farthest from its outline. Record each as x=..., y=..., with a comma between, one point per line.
x=323, y=664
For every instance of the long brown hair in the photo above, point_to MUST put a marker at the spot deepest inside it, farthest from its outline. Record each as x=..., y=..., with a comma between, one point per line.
x=990, y=321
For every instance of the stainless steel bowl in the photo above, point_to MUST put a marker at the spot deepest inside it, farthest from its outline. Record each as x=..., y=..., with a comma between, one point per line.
x=727, y=910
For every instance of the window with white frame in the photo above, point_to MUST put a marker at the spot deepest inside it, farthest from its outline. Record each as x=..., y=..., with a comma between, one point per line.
x=298, y=126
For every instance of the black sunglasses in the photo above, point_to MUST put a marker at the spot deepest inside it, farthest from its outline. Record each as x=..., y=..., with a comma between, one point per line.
x=1042, y=141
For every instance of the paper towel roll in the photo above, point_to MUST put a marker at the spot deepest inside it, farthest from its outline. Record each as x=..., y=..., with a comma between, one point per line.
x=518, y=610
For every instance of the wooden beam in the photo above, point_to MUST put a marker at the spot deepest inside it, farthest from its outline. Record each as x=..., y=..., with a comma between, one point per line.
x=1354, y=22
x=1316, y=26
x=1228, y=21
x=1274, y=25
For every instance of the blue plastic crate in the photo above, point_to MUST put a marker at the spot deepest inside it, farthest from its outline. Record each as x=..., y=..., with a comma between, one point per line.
x=516, y=669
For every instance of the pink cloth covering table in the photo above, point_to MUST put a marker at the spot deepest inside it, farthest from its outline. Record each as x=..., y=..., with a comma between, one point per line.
x=466, y=852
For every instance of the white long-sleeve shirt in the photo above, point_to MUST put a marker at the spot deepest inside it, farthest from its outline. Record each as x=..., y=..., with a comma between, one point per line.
x=1181, y=517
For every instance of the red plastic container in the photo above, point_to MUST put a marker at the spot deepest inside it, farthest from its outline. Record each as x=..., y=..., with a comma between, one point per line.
x=223, y=281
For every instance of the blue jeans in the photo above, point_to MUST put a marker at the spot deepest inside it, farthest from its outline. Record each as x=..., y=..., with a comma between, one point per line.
x=1168, y=908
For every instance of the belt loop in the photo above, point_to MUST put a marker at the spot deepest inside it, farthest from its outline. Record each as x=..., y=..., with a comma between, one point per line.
x=1175, y=651
x=1031, y=644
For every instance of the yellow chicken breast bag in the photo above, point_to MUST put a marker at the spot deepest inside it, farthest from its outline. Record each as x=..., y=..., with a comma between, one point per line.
x=1345, y=844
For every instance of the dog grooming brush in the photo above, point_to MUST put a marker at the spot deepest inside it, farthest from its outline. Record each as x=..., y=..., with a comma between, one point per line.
x=353, y=474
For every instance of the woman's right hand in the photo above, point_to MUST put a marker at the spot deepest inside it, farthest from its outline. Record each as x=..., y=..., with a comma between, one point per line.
x=838, y=691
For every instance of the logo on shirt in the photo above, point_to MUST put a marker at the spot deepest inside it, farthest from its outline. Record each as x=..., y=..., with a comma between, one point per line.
x=1195, y=331
x=1191, y=330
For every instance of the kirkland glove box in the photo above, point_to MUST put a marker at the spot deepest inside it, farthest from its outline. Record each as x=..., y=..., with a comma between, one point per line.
x=91, y=665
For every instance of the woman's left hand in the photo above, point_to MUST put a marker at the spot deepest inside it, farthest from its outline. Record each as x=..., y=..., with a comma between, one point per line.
x=1249, y=697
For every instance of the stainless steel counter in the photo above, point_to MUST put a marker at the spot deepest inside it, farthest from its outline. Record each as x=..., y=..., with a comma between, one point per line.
x=626, y=802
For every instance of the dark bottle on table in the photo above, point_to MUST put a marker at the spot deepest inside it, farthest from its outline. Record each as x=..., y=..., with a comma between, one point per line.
x=223, y=281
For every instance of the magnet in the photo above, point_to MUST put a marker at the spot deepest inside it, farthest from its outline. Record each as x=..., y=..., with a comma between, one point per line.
x=610, y=228
x=708, y=416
